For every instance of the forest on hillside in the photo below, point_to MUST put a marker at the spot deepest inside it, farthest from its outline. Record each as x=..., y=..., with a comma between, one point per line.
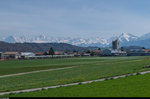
x=40, y=47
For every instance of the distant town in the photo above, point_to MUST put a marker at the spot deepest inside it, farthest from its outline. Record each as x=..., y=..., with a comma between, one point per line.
x=51, y=53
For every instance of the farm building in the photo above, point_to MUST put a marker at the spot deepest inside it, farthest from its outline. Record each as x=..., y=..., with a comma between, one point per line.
x=106, y=52
x=27, y=54
x=11, y=55
x=136, y=51
x=76, y=54
x=39, y=53
x=97, y=53
x=85, y=54
x=58, y=53
x=118, y=52
x=147, y=50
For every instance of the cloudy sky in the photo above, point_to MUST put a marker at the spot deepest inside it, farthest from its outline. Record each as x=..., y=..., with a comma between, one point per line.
x=74, y=18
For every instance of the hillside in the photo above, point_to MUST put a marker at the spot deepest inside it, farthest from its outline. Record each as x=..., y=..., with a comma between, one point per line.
x=38, y=47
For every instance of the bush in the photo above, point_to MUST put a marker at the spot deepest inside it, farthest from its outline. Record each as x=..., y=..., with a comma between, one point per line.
x=138, y=73
x=42, y=89
x=127, y=75
x=80, y=83
x=60, y=86
x=11, y=93
x=106, y=79
x=111, y=78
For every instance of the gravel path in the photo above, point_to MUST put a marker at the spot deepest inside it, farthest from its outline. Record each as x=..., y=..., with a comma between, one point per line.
x=10, y=75
x=85, y=82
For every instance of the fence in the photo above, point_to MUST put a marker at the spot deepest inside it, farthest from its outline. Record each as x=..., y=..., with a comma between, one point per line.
x=47, y=56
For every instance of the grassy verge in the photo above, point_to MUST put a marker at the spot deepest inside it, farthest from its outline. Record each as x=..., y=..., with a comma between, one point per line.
x=133, y=86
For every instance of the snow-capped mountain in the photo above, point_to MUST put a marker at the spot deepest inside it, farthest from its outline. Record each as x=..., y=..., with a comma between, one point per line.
x=125, y=39
x=89, y=42
x=85, y=42
x=11, y=39
x=136, y=41
x=145, y=36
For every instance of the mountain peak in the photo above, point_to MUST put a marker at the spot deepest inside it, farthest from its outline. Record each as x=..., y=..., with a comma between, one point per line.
x=10, y=39
x=126, y=37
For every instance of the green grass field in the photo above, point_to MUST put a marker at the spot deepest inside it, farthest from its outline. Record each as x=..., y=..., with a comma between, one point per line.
x=84, y=69
x=18, y=66
x=133, y=86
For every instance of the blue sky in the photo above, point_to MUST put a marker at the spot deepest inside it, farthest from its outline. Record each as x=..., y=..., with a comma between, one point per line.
x=74, y=18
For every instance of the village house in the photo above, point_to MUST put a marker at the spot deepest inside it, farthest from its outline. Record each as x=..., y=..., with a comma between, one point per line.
x=39, y=53
x=85, y=54
x=118, y=53
x=58, y=53
x=76, y=54
x=135, y=51
x=10, y=55
x=97, y=53
x=147, y=50
x=106, y=52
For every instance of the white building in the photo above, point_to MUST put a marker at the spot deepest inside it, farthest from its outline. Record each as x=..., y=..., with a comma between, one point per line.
x=118, y=52
x=27, y=54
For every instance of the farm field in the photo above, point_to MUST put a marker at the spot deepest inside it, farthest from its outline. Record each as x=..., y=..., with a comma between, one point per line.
x=132, y=86
x=83, y=69
x=19, y=66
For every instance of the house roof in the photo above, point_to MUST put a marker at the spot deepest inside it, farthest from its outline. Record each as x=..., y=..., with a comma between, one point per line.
x=58, y=53
x=27, y=53
x=147, y=50
x=10, y=53
x=39, y=53
x=98, y=51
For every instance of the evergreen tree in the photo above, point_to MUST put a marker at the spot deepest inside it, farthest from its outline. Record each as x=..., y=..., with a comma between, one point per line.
x=51, y=51
x=99, y=48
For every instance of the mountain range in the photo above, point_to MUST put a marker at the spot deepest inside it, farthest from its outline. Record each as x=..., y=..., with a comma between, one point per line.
x=125, y=39
x=40, y=47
